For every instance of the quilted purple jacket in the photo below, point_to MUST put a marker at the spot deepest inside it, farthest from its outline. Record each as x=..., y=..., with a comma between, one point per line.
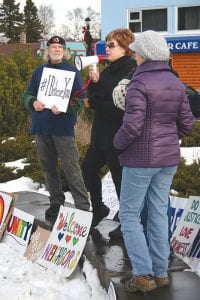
x=157, y=115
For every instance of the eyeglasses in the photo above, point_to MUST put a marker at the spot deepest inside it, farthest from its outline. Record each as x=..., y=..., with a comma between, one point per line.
x=111, y=45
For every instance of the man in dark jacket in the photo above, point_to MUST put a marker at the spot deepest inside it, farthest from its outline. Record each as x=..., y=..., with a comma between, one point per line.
x=54, y=133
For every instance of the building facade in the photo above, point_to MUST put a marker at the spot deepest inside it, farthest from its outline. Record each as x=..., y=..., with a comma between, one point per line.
x=177, y=20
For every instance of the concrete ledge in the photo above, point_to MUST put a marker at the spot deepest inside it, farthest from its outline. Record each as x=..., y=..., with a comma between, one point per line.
x=110, y=257
x=184, y=286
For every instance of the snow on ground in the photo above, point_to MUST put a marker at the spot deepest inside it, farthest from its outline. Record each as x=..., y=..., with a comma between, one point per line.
x=20, y=279
x=190, y=154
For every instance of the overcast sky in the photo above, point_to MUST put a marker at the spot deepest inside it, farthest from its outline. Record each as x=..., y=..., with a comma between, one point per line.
x=60, y=7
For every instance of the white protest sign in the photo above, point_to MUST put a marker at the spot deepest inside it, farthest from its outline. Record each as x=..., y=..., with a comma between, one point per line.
x=177, y=205
x=18, y=230
x=67, y=240
x=5, y=203
x=55, y=88
x=193, y=256
x=109, y=195
x=187, y=228
x=111, y=292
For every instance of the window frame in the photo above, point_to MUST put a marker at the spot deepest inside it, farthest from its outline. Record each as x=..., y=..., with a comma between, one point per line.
x=140, y=10
x=185, y=31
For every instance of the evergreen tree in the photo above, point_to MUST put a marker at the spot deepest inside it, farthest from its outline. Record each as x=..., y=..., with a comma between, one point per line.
x=11, y=89
x=194, y=139
x=32, y=23
x=26, y=62
x=11, y=20
x=14, y=75
x=186, y=179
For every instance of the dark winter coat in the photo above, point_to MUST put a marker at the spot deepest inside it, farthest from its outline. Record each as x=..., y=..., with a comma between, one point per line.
x=157, y=115
x=107, y=118
x=45, y=122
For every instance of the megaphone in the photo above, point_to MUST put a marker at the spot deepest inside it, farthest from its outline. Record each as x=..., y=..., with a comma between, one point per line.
x=82, y=62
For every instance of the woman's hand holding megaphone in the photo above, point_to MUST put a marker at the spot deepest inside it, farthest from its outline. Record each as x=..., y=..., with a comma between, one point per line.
x=94, y=72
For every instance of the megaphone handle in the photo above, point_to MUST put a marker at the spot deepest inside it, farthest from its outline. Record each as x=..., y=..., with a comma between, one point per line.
x=85, y=86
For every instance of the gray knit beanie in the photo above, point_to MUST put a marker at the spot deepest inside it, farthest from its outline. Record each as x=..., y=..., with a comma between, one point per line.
x=151, y=45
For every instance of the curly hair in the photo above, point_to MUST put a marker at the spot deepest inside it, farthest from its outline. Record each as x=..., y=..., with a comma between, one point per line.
x=124, y=37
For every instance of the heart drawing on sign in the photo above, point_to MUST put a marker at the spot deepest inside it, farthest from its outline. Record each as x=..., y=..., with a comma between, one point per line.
x=68, y=238
x=75, y=240
x=60, y=236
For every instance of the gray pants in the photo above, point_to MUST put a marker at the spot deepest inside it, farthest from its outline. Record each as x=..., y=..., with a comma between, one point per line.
x=50, y=150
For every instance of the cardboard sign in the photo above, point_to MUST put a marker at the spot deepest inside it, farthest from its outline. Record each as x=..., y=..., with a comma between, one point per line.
x=37, y=243
x=187, y=228
x=67, y=240
x=18, y=230
x=6, y=204
x=55, y=88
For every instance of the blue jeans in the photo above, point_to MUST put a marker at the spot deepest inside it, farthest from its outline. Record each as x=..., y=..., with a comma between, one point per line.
x=144, y=215
x=152, y=185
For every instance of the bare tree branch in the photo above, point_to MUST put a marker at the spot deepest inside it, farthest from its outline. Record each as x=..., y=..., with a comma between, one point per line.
x=46, y=15
x=76, y=21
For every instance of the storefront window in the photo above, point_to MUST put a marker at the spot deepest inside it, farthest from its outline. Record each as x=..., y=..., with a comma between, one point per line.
x=151, y=19
x=189, y=18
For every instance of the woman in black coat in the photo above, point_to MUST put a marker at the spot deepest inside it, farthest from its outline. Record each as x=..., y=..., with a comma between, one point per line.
x=107, y=119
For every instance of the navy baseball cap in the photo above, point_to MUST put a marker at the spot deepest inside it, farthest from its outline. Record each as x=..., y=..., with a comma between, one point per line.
x=56, y=40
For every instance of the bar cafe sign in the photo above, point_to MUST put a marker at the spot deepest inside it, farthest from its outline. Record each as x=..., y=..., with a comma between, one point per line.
x=183, y=44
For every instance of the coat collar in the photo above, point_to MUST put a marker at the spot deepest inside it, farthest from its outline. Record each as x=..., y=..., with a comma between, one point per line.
x=120, y=62
x=148, y=66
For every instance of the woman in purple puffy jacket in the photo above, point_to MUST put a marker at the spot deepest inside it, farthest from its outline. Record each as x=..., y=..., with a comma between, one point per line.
x=157, y=115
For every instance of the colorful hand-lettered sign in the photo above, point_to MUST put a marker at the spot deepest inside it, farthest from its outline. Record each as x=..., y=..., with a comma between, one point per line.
x=193, y=255
x=55, y=88
x=187, y=228
x=177, y=205
x=18, y=230
x=5, y=204
x=67, y=240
